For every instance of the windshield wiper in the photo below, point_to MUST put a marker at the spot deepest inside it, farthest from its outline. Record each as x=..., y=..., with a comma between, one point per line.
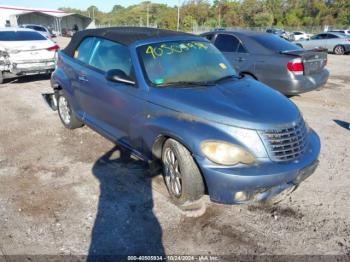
x=224, y=78
x=186, y=83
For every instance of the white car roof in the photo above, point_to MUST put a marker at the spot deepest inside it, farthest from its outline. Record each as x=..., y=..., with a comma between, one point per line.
x=6, y=29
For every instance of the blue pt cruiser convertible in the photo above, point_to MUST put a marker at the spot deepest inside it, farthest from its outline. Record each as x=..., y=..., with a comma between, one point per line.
x=172, y=98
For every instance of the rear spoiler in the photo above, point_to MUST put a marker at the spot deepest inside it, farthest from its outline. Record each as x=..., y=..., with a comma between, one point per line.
x=301, y=52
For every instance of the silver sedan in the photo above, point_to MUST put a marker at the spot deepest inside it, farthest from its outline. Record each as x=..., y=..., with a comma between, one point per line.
x=336, y=43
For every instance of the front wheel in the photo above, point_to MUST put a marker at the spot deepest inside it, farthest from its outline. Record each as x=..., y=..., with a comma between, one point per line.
x=339, y=50
x=66, y=114
x=181, y=174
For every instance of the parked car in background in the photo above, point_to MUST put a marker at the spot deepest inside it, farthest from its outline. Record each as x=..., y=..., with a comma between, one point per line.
x=299, y=35
x=172, y=98
x=336, y=43
x=67, y=32
x=281, y=33
x=341, y=31
x=25, y=52
x=41, y=29
x=272, y=60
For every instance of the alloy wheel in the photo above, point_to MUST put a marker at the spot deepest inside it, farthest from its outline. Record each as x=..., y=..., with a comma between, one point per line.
x=339, y=50
x=172, y=173
x=64, y=110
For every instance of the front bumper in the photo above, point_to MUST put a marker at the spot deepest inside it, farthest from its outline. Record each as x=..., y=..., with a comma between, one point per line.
x=260, y=182
x=300, y=84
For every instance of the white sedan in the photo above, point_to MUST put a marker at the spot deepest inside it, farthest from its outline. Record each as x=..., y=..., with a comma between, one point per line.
x=299, y=35
x=25, y=52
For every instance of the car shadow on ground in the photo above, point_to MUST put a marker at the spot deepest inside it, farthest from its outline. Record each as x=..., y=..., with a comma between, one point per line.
x=125, y=223
x=27, y=79
x=343, y=124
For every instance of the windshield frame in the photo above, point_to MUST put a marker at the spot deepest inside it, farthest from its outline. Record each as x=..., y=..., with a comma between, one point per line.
x=145, y=77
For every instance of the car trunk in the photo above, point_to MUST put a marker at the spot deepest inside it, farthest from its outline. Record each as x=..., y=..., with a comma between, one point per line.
x=313, y=60
x=27, y=51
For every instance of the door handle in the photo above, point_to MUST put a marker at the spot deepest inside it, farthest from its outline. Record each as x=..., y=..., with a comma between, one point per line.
x=240, y=59
x=82, y=77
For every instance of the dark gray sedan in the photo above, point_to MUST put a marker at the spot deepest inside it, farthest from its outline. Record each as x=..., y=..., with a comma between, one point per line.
x=274, y=61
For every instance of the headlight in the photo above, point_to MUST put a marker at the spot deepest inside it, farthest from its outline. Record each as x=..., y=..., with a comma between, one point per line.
x=227, y=154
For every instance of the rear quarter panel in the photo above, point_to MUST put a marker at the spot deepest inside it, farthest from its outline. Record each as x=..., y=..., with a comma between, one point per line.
x=65, y=76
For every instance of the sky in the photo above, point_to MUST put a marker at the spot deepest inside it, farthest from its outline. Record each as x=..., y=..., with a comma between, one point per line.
x=105, y=5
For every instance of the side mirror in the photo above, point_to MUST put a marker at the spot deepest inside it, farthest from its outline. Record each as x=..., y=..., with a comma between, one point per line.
x=117, y=75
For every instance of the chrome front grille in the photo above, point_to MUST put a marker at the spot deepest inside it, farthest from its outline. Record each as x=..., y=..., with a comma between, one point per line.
x=285, y=144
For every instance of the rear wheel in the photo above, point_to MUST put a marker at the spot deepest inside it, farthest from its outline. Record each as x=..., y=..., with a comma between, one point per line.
x=66, y=114
x=181, y=175
x=339, y=50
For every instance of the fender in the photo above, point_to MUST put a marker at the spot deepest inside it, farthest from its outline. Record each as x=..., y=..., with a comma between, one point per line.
x=186, y=129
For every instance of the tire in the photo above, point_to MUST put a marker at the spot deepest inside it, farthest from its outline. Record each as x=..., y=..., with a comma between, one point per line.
x=65, y=112
x=339, y=50
x=1, y=78
x=180, y=169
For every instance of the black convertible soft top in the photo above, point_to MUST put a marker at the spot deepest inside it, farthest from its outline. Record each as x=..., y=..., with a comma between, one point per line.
x=123, y=35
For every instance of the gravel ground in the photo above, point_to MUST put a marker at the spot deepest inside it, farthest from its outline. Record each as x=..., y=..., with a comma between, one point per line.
x=73, y=192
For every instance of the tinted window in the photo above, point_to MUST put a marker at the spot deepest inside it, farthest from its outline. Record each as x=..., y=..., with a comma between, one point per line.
x=319, y=37
x=83, y=51
x=226, y=43
x=297, y=33
x=274, y=43
x=241, y=49
x=107, y=55
x=20, y=36
x=331, y=36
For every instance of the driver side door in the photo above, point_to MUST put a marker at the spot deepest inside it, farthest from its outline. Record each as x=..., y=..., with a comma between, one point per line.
x=111, y=107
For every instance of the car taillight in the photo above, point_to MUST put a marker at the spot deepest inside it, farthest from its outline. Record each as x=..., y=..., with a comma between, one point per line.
x=296, y=66
x=53, y=48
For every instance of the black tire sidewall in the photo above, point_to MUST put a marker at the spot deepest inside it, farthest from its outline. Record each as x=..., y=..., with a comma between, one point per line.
x=191, y=178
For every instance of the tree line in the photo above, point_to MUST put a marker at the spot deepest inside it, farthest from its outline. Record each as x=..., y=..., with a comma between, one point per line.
x=225, y=13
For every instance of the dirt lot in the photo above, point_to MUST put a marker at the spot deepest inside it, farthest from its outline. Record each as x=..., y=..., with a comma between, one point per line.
x=67, y=192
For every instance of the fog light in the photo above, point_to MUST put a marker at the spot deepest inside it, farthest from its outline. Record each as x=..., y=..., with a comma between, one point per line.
x=241, y=196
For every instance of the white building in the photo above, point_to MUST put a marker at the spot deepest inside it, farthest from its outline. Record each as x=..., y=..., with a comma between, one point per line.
x=57, y=20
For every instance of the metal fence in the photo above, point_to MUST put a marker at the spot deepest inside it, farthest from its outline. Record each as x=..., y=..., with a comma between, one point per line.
x=201, y=29
x=307, y=29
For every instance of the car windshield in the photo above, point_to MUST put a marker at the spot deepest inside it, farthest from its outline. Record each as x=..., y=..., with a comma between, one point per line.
x=183, y=62
x=37, y=28
x=20, y=36
x=275, y=43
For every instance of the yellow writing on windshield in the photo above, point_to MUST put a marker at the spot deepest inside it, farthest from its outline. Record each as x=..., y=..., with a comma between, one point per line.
x=158, y=51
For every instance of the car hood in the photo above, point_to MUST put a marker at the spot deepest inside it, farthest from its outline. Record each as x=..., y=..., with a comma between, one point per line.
x=243, y=103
